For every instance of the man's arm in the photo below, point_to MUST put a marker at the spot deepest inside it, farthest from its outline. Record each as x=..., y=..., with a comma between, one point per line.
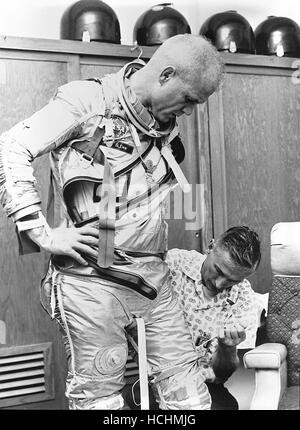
x=75, y=111
x=69, y=241
x=225, y=359
x=76, y=108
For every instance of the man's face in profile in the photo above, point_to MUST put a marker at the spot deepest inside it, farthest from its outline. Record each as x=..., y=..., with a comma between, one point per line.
x=219, y=272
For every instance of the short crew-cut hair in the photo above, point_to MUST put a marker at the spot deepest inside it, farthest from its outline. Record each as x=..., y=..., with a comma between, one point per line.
x=199, y=61
x=243, y=245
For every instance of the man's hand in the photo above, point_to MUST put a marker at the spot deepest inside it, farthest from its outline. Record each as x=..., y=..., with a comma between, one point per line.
x=225, y=360
x=69, y=241
x=232, y=335
x=74, y=241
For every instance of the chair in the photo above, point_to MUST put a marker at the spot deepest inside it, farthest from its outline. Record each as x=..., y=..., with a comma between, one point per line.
x=277, y=362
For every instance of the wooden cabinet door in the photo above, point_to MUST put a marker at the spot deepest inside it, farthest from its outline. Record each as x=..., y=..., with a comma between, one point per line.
x=28, y=81
x=189, y=214
x=259, y=166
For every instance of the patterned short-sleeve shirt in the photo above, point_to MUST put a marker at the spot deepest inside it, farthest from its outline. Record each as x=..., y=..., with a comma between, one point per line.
x=203, y=316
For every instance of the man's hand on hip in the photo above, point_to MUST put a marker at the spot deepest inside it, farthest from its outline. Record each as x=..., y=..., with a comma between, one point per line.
x=69, y=241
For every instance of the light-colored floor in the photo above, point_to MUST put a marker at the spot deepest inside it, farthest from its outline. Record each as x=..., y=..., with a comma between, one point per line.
x=242, y=384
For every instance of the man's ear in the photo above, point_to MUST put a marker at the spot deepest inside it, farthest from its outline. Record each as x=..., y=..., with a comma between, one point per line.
x=166, y=74
x=210, y=246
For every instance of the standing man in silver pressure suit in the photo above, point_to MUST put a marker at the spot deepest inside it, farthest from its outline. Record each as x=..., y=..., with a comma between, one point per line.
x=114, y=152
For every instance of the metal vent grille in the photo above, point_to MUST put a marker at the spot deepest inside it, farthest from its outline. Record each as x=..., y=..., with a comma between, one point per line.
x=25, y=374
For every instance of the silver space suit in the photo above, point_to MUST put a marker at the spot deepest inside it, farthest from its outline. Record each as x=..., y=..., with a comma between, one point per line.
x=112, y=167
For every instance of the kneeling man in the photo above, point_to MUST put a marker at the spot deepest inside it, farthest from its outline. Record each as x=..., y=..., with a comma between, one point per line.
x=219, y=304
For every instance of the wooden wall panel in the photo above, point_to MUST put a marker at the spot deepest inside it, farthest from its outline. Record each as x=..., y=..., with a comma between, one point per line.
x=96, y=71
x=27, y=87
x=99, y=67
x=262, y=133
x=194, y=229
